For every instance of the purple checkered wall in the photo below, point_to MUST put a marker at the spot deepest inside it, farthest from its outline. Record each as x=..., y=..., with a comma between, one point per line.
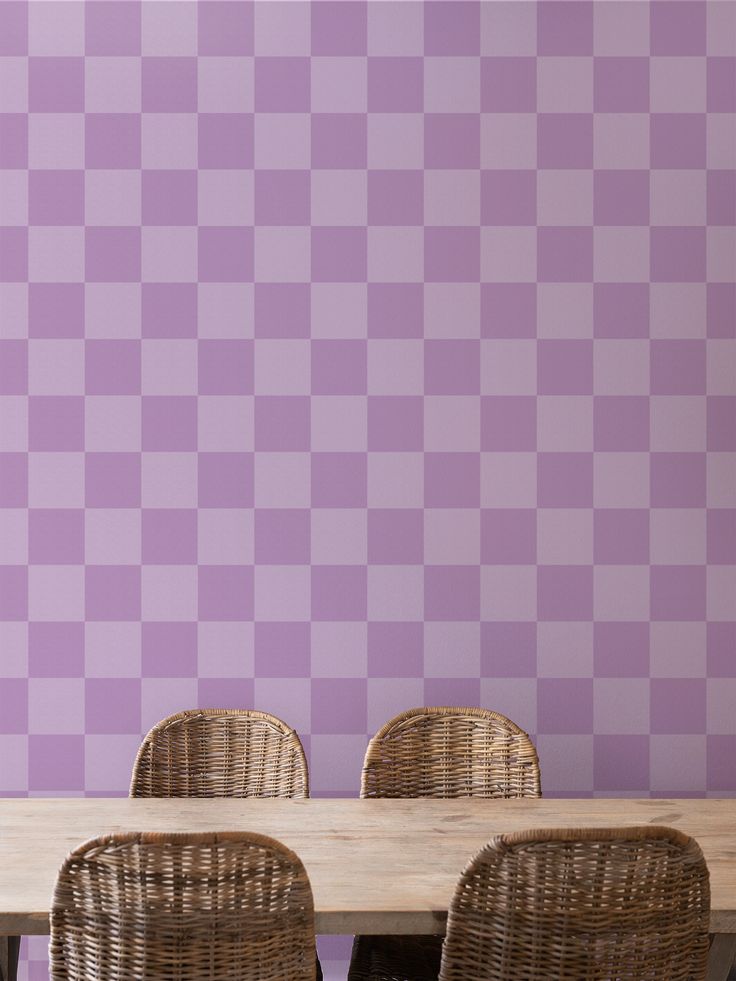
x=362, y=356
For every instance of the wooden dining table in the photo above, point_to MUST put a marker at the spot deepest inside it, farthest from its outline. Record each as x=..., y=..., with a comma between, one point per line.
x=376, y=866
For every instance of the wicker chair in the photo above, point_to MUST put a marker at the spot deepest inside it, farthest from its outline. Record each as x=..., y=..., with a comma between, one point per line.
x=629, y=904
x=220, y=753
x=445, y=753
x=451, y=752
x=626, y=903
x=182, y=907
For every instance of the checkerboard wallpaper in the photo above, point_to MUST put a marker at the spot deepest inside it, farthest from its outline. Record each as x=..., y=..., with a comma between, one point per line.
x=357, y=356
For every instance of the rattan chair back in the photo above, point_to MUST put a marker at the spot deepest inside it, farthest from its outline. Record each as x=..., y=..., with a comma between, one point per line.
x=220, y=753
x=626, y=904
x=451, y=752
x=182, y=907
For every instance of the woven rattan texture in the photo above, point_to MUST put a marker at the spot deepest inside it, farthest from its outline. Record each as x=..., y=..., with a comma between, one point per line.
x=451, y=752
x=220, y=753
x=581, y=905
x=439, y=752
x=182, y=907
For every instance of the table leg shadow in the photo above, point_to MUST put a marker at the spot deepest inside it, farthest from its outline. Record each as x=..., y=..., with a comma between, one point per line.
x=9, y=953
x=722, y=957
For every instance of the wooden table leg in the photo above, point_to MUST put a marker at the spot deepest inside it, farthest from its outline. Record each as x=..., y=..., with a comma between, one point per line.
x=9, y=951
x=722, y=956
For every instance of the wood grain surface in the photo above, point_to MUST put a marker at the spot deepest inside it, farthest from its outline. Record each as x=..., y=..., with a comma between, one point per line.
x=376, y=866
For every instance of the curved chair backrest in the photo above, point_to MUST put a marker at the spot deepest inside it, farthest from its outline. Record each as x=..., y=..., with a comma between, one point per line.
x=220, y=753
x=227, y=906
x=624, y=903
x=451, y=752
